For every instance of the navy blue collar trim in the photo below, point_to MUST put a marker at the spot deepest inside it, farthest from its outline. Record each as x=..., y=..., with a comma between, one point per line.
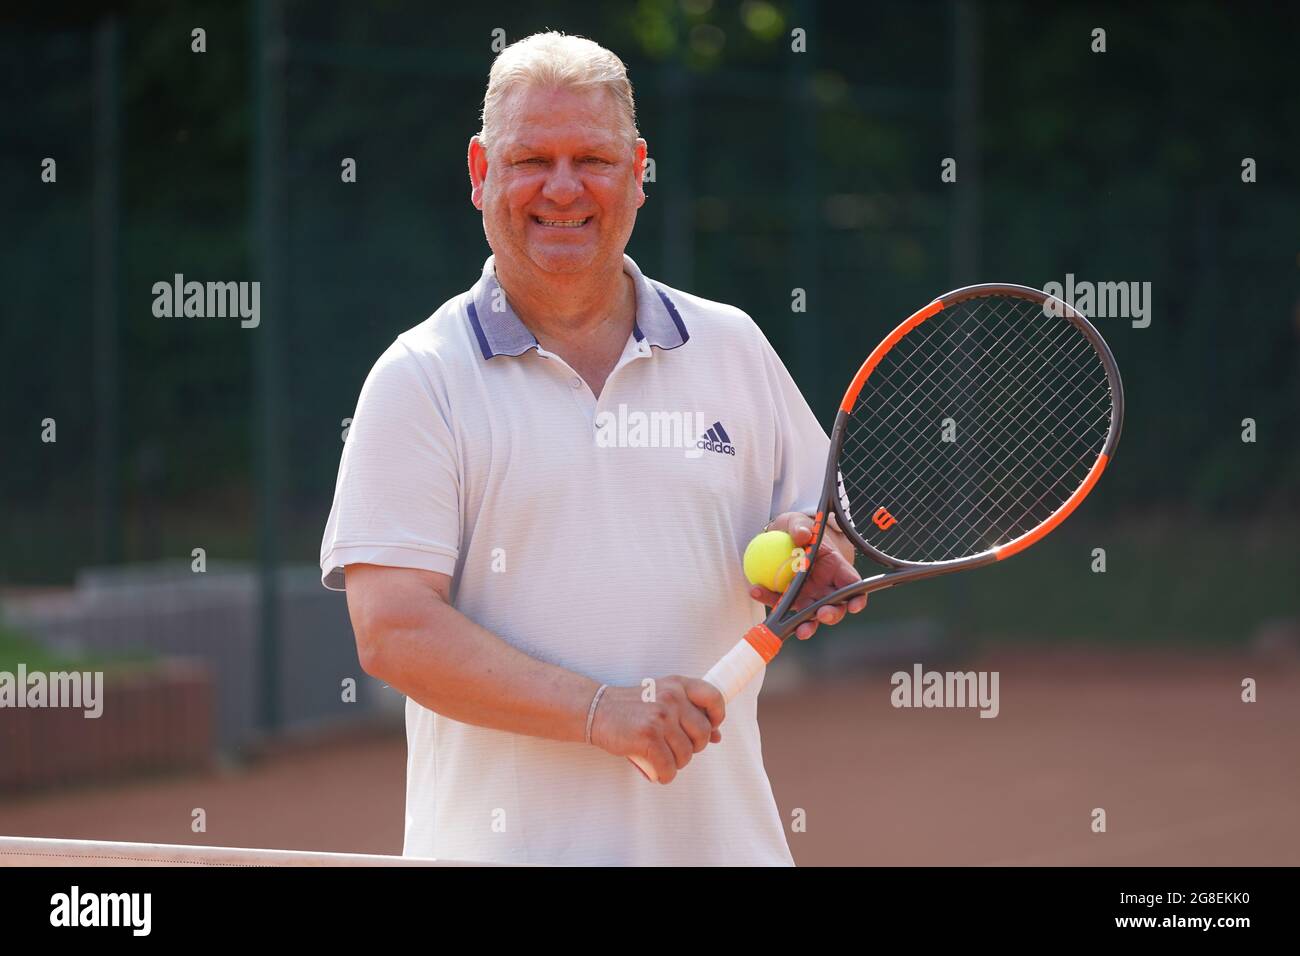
x=675, y=316
x=478, y=329
x=502, y=333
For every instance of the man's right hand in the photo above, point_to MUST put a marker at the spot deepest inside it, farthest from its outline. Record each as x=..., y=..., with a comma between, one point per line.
x=681, y=721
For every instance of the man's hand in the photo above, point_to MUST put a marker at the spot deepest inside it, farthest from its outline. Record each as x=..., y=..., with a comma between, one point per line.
x=832, y=568
x=682, y=720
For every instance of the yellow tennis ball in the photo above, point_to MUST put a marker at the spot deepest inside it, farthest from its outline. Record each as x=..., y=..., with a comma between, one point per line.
x=770, y=560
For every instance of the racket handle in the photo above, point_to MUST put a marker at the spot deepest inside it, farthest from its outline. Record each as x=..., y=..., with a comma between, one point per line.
x=730, y=675
x=740, y=665
x=643, y=765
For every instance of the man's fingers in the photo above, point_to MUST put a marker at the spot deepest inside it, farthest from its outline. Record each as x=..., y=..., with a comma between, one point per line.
x=709, y=700
x=681, y=745
x=796, y=525
x=664, y=763
x=696, y=723
x=831, y=614
x=831, y=571
x=845, y=572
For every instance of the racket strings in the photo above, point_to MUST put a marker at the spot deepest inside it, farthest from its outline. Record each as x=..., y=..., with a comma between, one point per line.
x=913, y=449
x=961, y=501
x=1035, y=415
x=1019, y=489
x=998, y=403
x=973, y=429
x=912, y=383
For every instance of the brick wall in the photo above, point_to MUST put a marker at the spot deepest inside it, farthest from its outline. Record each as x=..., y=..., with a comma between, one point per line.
x=156, y=719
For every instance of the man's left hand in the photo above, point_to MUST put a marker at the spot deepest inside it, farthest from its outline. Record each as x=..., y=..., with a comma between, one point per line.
x=832, y=569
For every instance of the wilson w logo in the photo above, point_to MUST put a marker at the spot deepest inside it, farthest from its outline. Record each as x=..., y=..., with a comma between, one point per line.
x=883, y=519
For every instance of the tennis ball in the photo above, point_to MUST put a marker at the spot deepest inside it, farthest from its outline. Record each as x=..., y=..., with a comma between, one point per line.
x=770, y=560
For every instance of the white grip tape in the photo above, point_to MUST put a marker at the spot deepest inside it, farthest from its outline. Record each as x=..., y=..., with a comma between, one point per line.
x=741, y=665
x=730, y=675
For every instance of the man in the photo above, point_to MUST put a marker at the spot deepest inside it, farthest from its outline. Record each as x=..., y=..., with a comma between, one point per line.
x=524, y=560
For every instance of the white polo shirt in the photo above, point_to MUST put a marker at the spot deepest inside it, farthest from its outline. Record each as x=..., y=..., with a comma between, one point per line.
x=603, y=535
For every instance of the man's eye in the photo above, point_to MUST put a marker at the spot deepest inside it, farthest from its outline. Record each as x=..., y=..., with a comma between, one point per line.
x=531, y=160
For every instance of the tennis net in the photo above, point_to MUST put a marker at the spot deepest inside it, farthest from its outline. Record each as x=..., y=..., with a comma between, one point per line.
x=38, y=851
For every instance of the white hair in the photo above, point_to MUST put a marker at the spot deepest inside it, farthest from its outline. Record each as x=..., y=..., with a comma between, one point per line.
x=555, y=61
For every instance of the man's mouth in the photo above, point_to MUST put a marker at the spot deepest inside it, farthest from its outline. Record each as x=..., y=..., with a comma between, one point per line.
x=561, y=223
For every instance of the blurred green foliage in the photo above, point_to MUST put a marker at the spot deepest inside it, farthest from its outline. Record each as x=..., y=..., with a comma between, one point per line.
x=16, y=649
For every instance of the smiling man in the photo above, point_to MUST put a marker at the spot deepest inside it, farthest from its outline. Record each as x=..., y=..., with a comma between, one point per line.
x=534, y=592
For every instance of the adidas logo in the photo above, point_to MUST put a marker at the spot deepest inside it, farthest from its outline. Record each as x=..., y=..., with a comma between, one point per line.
x=716, y=440
x=628, y=428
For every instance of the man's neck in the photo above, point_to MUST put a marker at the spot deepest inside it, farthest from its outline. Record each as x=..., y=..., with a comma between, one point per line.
x=572, y=308
x=586, y=320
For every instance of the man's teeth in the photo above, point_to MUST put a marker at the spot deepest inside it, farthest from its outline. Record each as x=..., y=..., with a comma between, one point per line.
x=562, y=222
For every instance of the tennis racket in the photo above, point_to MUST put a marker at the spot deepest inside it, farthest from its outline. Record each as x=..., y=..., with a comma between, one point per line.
x=974, y=429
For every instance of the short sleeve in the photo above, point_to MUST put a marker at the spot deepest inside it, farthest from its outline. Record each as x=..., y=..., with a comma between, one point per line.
x=397, y=499
x=801, y=442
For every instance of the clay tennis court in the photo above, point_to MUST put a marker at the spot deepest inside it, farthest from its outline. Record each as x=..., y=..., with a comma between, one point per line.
x=1186, y=772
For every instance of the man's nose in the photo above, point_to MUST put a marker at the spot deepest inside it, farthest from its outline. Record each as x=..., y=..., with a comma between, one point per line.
x=563, y=185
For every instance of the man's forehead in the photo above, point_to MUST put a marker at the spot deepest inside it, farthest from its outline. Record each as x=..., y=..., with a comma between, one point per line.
x=537, y=140
x=536, y=115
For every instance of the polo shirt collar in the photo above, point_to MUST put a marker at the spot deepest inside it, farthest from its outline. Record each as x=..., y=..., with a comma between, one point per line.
x=499, y=331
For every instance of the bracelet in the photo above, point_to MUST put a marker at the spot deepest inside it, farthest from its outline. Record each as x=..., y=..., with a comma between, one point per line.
x=591, y=711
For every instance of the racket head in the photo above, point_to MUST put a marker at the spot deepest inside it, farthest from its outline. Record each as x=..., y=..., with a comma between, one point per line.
x=975, y=428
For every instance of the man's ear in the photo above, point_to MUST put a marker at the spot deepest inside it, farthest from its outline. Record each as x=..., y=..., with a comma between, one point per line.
x=639, y=154
x=478, y=168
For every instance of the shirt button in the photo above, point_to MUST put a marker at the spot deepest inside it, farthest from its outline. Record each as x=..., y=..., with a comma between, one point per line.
x=575, y=383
